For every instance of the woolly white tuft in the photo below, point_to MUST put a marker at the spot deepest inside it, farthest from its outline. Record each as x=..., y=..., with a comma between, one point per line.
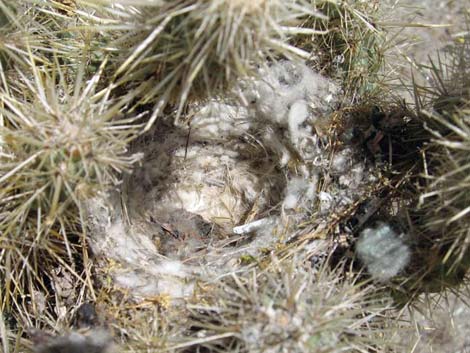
x=299, y=193
x=382, y=251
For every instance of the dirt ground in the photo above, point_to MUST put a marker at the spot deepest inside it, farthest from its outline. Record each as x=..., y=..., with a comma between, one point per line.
x=431, y=25
x=448, y=18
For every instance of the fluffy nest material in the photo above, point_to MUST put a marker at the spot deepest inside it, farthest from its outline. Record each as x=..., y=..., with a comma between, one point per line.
x=246, y=173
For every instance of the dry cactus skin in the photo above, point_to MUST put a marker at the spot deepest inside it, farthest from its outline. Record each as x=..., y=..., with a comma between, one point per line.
x=93, y=341
x=239, y=179
x=89, y=335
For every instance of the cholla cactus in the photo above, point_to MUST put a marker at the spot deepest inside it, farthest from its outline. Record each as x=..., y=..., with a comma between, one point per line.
x=65, y=128
x=356, y=47
x=10, y=35
x=36, y=30
x=288, y=308
x=61, y=143
x=179, y=50
x=446, y=195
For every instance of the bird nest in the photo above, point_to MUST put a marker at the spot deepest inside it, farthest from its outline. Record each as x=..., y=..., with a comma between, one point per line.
x=246, y=173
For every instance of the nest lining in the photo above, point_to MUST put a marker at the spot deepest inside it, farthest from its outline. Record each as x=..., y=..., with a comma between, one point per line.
x=239, y=178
